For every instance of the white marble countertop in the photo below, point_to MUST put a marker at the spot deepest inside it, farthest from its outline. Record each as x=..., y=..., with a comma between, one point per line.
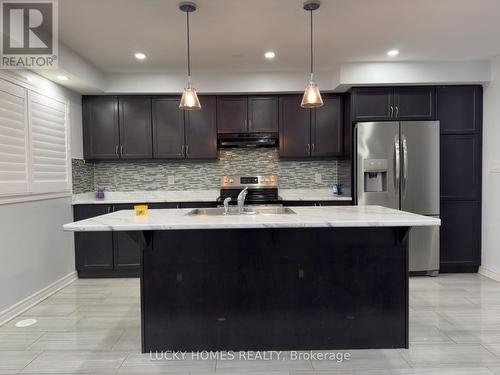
x=116, y=197
x=305, y=217
x=161, y=196
x=311, y=195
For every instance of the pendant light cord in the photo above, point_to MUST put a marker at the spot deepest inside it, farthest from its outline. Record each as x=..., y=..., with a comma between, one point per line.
x=188, y=48
x=311, y=12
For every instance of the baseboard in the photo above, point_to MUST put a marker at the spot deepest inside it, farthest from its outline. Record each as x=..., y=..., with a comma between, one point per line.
x=490, y=274
x=37, y=297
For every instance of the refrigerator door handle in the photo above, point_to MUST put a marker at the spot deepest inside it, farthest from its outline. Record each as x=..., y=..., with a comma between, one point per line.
x=397, y=162
x=405, y=165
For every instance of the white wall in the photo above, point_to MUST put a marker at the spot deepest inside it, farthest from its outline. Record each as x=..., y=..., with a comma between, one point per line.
x=491, y=181
x=218, y=82
x=34, y=250
x=414, y=73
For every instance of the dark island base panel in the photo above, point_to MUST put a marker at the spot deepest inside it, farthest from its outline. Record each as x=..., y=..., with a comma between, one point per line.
x=275, y=289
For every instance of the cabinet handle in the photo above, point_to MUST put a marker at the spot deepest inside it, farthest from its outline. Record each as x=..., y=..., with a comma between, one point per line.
x=313, y=147
x=308, y=147
x=392, y=112
x=397, y=111
x=116, y=150
x=245, y=123
x=182, y=149
x=109, y=209
x=249, y=124
x=121, y=150
x=187, y=149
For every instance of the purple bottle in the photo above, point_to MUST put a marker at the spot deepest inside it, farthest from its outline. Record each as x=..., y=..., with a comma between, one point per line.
x=99, y=193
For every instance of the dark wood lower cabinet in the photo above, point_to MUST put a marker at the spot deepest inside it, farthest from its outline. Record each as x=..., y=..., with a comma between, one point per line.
x=460, y=236
x=94, y=250
x=275, y=289
x=108, y=254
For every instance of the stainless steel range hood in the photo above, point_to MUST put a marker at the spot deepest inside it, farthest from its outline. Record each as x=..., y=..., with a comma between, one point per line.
x=246, y=140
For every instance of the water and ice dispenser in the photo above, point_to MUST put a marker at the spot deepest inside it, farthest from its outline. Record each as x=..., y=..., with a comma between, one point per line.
x=375, y=175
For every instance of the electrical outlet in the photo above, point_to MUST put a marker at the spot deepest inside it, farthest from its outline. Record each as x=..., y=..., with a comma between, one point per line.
x=171, y=180
x=317, y=178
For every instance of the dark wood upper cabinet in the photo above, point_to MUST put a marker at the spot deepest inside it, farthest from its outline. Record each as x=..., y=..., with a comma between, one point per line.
x=389, y=103
x=262, y=114
x=136, y=138
x=327, y=128
x=101, y=132
x=308, y=133
x=294, y=128
x=372, y=104
x=231, y=114
x=414, y=103
x=201, y=130
x=168, y=128
x=459, y=109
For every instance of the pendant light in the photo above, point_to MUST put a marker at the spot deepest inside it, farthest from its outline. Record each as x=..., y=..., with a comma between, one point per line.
x=189, y=98
x=312, y=96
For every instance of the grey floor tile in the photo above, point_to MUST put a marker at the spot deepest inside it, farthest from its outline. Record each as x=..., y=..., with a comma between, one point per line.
x=75, y=362
x=421, y=334
x=144, y=363
x=442, y=371
x=377, y=359
x=90, y=341
x=18, y=340
x=449, y=354
x=93, y=327
x=43, y=324
x=16, y=360
x=345, y=372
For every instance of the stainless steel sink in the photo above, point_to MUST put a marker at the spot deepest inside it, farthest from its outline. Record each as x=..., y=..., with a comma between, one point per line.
x=247, y=211
x=274, y=210
x=219, y=212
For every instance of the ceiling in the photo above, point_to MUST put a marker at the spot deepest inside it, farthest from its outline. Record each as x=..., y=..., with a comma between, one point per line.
x=232, y=35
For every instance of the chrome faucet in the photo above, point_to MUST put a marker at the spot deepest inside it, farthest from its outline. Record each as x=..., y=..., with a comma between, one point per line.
x=241, y=199
x=226, y=205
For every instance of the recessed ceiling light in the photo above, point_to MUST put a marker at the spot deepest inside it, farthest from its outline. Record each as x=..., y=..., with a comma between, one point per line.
x=269, y=55
x=139, y=56
x=393, y=52
x=62, y=78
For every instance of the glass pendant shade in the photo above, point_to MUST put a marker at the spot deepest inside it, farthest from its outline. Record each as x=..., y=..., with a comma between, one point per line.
x=312, y=96
x=189, y=98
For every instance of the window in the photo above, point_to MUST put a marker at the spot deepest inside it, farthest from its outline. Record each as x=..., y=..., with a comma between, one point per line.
x=33, y=142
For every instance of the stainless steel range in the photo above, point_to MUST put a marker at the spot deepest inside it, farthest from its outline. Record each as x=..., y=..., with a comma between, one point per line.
x=260, y=189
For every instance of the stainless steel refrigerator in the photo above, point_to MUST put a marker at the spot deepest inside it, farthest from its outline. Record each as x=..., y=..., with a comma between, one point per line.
x=397, y=166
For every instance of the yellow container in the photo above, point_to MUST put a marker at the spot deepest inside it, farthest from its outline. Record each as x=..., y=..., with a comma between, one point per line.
x=141, y=210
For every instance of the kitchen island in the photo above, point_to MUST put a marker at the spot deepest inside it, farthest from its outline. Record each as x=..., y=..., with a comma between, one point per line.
x=318, y=278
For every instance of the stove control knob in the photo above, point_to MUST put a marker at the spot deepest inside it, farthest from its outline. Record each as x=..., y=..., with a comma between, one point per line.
x=266, y=180
x=231, y=180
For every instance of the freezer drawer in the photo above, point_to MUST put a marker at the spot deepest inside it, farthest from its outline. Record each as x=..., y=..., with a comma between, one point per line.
x=424, y=250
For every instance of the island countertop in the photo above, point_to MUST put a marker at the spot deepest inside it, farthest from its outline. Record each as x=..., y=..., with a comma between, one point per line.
x=304, y=217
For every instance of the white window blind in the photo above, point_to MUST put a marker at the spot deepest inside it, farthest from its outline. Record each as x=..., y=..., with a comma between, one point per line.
x=49, y=167
x=14, y=153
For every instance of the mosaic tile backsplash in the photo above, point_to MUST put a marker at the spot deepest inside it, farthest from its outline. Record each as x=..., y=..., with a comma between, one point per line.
x=83, y=176
x=200, y=175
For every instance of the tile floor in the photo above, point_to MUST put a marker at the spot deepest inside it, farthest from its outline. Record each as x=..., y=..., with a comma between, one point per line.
x=93, y=327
